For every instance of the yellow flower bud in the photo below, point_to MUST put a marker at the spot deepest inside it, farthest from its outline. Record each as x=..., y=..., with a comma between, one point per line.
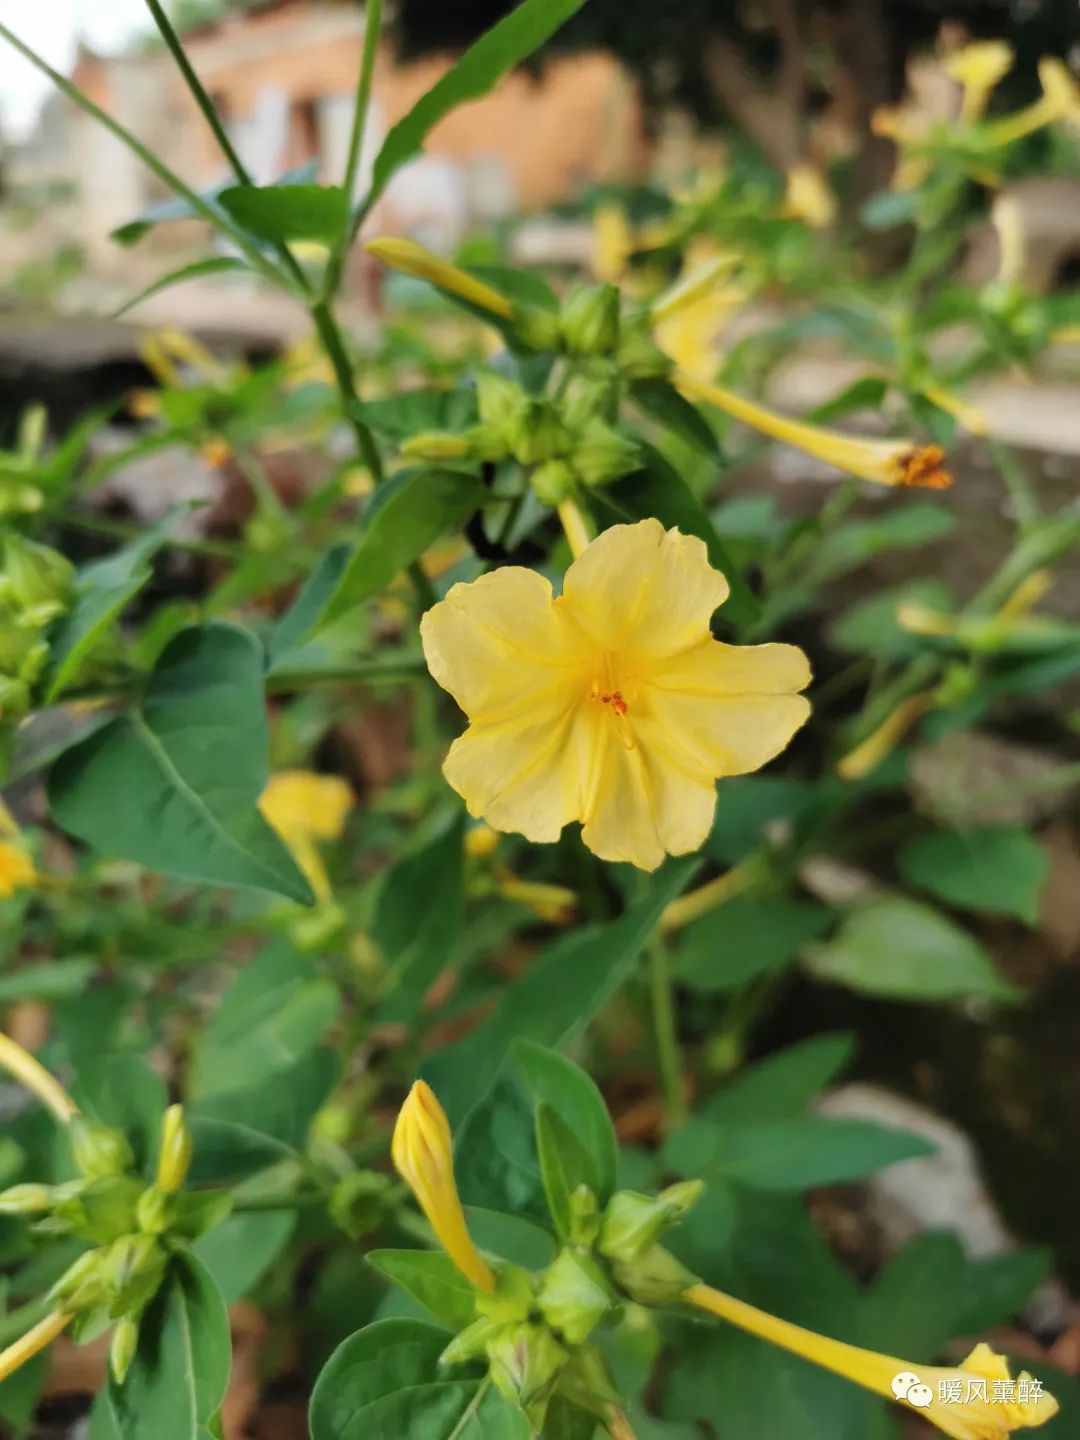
x=422, y=1152
x=413, y=259
x=174, y=1157
x=122, y=1347
x=16, y=871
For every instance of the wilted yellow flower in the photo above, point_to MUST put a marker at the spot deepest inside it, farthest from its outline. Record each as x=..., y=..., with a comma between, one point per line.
x=423, y=1154
x=16, y=870
x=304, y=807
x=885, y=462
x=612, y=704
x=413, y=259
x=979, y=1400
x=613, y=243
x=808, y=197
x=978, y=68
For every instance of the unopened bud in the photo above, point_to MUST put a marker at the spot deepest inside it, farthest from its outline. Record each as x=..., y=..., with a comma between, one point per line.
x=82, y=1285
x=122, y=1347
x=174, y=1157
x=512, y=1297
x=574, y=1295
x=498, y=399
x=590, y=320
x=36, y=579
x=584, y=1216
x=358, y=1202
x=602, y=454
x=525, y=1362
x=24, y=1200
x=471, y=1342
x=552, y=482
x=536, y=329
x=585, y=1382
x=100, y=1211
x=481, y=841
x=436, y=445
x=654, y=1278
x=98, y=1150
x=132, y=1270
x=154, y=1211
x=537, y=434
x=632, y=1222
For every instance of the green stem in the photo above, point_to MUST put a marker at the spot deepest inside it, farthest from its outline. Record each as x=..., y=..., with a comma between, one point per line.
x=214, y=216
x=332, y=342
x=213, y=119
x=667, y=1041
x=369, y=672
x=352, y=220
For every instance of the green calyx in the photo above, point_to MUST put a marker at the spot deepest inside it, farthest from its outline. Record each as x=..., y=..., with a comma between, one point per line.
x=589, y=321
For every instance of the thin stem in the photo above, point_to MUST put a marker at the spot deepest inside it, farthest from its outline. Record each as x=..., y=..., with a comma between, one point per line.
x=575, y=526
x=617, y=1425
x=667, y=1041
x=259, y=1204
x=352, y=220
x=709, y=896
x=213, y=119
x=361, y=673
x=33, y=1075
x=215, y=216
x=330, y=336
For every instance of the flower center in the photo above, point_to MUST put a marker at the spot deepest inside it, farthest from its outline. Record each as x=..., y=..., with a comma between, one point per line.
x=608, y=690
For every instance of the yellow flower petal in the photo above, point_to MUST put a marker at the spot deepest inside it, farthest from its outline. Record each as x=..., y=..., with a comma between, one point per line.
x=302, y=803
x=611, y=705
x=16, y=871
x=645, y=589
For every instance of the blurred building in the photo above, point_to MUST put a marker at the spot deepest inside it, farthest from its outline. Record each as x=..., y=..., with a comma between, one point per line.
x=283, y=75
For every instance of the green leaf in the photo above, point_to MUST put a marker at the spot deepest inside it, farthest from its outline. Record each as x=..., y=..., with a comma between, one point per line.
x=556, y=997
x=910, y=525
x=917, y=1299
x=870, y=627
x=662, y=401
x=384, y=1383
x=239, y=1251
x=275, y=1013
x=793, y=1154
x=781, y=1087
x=279, y=213
x=215, y=265
x=433, y=1279
x=659, y=491
x=102, y=590
x=509, y=42
x=286, y=642
x=238, y=1132
x=177, y=1380
x=750, y=935
x=175, y=783
x=996, y=870
x=418, y=919
x=124, y=1092
x=517, y=1240
x=409, y=513
x=564, y=1165
x=996, y=1286
x=901, y=948
x=55, y=980
x=574, y=1099
x=865, y=394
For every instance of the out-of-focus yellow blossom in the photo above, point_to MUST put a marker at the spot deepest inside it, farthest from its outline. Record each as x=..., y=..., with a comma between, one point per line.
x=306, y=362
x=689, y=317
x=162, y=349
x=972, y=419
x=1060, y=101
x=979, y=1400
x=481, y=842
x=885, y=462
x=423, y=1154
x=978, y=68
x=215, y=451
x=612, y=704
x=869, y=753
x=413, y=259
x=32, y=1075
x=16, y=870
x=808, y=197
x=305, y=808
x=889, y=122
x=612, y=243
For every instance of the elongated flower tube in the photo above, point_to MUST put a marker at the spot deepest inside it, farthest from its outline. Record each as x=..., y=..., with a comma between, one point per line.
x=1059, y=101
x=31, y=1074
x=413, y=259
x=304, y=808
x=16, y=870
x=885, y=462
x=612, y=704
x=423, y=1154
x=808, y=197
x=613, y=243
x=869, y=753
x=978, y=68
x=979, y=1400
x=33, y=1342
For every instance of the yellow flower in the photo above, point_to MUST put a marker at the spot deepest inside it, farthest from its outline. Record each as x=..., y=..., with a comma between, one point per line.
x=978, y=68
x=16, y=870
x=422, y=1152
x=304, y=807
x=413, y=259
x=1060, y=101
x=690, y=316
x=613, y=243
x=885, y=462
x=977, y=1401
x=808, y=197
x=611, y=705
